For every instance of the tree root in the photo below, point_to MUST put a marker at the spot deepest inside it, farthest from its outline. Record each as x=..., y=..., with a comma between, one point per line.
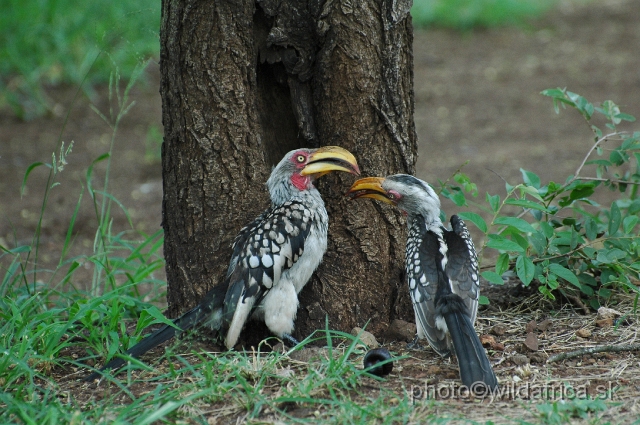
x=593, y=350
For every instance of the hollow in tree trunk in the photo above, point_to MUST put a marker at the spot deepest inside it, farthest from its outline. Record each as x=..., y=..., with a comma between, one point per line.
x=244, y=82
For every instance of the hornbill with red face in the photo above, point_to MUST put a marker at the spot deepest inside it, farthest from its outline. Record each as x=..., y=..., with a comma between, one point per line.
x=272, y=259
x=442, y=273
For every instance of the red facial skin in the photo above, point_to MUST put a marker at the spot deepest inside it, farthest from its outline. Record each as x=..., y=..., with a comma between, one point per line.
x=300, y=159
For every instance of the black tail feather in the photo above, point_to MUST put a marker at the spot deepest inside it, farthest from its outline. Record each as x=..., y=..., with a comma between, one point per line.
x=165, y=333
x=206, y=312
x=475, y=370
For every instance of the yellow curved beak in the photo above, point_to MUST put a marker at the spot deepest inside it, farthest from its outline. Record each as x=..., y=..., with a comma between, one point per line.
x=369, y=187
x=330, y=158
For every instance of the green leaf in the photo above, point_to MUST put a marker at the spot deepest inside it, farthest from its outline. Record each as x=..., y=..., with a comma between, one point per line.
x=526, y=204
x=607, y=256
x=533, y=192
x=525, y=269
x=538, y=242
x=557, y=93
x=503, y=244
x=475, y=219
x=582, y=191
x=590, y=252
x=625, y=117
x=614, y=219
x=617, y=157
x=547, y=229
x=18, y=249
x=494, y=202
x=518, y=238
x=530, y=178
x=27, y=173
x=493, y=277
x=502, y=264
x=516, y=223
x=546, y=292
x=564, y=273
x=456, y=195
x=629, y=223
x=482, y=300
x=160, y=318
x=590, y=229
x=586, y=290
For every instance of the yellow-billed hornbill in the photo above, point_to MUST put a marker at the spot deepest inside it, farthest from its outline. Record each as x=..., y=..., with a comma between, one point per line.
x=442, y=273
x=272, y=259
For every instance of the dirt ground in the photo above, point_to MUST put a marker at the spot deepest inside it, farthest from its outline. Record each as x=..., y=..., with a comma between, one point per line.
x=477, y=99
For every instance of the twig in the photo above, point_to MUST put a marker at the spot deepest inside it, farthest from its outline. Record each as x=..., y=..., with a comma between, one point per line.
x=577, y=302
x=584, y=160
x=600, y=179
x=444, y=184
x=568, y=253
x=593, y=350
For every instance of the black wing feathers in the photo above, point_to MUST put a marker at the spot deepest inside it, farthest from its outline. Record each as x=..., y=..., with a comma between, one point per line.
x=263, y=251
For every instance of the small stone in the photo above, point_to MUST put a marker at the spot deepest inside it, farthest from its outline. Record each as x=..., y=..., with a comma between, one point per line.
x=307, y=354
x=316, y=312
x=366, y=337
x=544, y=325
x=434, y=370
x=538, y=357
x=498, y=330
x=608, y=313
x=605, y=323
x=583, y=333
x=531, y=342
x=399, y=330
x=490, y=342
x=531, y=326
x=520, y=359
x=487, y=340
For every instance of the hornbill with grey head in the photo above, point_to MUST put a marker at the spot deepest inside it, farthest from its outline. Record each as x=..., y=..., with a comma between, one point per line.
x=272, y=259
x=442, y=273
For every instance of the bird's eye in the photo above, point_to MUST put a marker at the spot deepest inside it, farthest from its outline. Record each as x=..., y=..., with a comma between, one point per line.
x=391, y=196
x=301, y=158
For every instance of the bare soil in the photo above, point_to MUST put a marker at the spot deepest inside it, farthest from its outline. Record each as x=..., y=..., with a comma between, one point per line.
x=477, y=99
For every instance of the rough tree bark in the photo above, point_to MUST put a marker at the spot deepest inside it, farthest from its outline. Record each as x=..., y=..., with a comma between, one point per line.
x=243, y=82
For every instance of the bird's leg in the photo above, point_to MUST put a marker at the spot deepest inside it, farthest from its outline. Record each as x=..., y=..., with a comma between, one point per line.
x=289, y=340
x=413, y=345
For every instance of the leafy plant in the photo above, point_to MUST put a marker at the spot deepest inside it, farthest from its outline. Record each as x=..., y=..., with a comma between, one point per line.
x=559, y=235
x=44, y=313
x=563, y=411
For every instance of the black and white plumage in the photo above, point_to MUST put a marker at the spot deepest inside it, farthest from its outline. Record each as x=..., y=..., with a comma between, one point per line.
x=272, y=259
x=442, y=274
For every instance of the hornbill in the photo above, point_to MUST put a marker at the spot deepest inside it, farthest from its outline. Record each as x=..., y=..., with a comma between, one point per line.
x=272, y=258
x=442, y=273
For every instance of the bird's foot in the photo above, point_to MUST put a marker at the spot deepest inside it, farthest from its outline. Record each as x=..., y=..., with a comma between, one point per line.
x=413, y=345
x=289, y=340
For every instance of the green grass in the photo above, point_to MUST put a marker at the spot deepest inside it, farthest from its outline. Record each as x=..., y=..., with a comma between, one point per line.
x=44, y=43
x=50, y=326
x=466, y=14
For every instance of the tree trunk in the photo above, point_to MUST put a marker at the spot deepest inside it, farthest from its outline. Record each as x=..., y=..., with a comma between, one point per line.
x=243, y=83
